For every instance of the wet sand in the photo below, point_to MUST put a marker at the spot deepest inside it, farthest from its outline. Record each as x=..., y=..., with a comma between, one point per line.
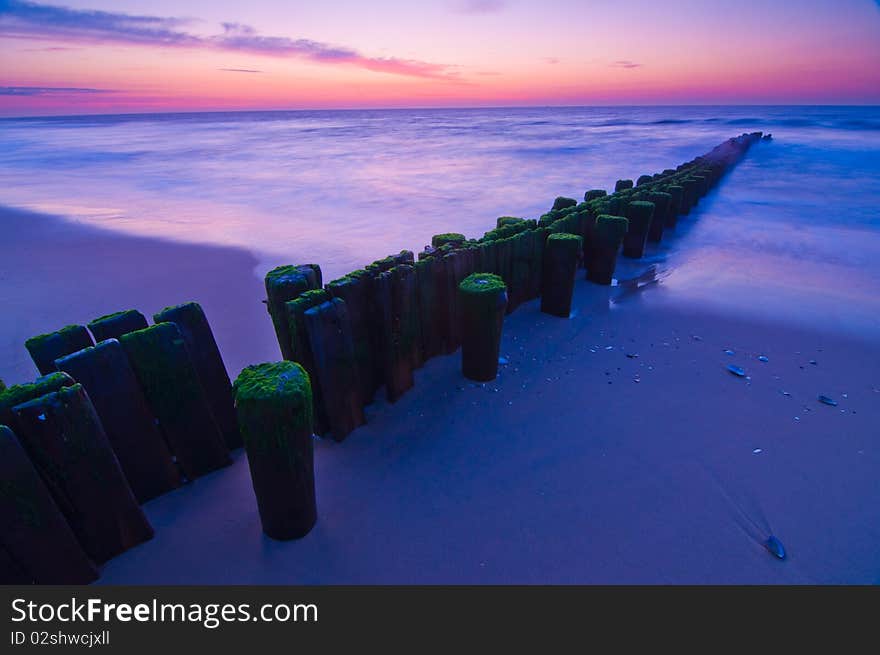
x=614, y=447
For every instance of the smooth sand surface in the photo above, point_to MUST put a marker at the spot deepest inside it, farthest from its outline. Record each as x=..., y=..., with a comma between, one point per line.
x=578, y=465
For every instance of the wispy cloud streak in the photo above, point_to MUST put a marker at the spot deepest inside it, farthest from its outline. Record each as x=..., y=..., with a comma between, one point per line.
x=29, y=20
x=239, y=70
x=480, y=6
x=30, y=91
x=625, y=63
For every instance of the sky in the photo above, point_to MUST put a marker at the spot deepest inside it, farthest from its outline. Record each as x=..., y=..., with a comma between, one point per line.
x=110, y=56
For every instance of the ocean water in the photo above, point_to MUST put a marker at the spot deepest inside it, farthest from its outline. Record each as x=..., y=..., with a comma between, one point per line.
x=793, y=233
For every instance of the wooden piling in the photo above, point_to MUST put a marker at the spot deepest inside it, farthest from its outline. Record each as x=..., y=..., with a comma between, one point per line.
x=560, y=267
x=622, y=185
x=483, y=298
x=354, y=290
x=675, y=199
x=46, y=348
x=167, y=376
x=21, y=393
x=332, y=345
x=274, y=407
x=35, y=539
x=193, y=325
x=296, y=310
x=113, y=326
x=129, y=424
x=66, y=442
x=661, y=202
x=283, y=284
x=639, y=213
x=602, y=258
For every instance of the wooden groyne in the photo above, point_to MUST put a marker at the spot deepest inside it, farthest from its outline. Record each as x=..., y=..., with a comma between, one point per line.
x=126, y=411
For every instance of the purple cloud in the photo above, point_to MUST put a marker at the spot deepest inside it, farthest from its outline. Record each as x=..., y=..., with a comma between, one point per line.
x=29, y=20
x=48, y=91
x=551, y=60
x=625, y=63
x=239, y=70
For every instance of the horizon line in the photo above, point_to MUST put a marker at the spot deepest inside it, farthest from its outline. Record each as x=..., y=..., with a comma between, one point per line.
x=423, y=108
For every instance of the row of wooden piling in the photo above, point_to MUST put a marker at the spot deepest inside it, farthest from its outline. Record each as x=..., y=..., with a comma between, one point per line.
x=113, y=422
x=375, y=326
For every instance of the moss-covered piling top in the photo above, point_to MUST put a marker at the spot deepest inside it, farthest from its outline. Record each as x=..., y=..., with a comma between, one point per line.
x=611, y=229
x=272, y=380
x=562, y=202
x=65, y=333
x=592, y=194
x=482, y=283
x=125, y=313
x=507, y=220
x=183, y=308
x=22, y=393
x=620, y=185
x=453, y=238
x=290, y=274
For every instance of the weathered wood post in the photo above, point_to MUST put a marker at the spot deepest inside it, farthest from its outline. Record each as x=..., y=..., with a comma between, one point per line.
x=562, y=202
x=675, y=198
x=644, y=179
x=639, y=213
x=621, y=185
x=661, y=202
x=35, y=536
x=193, y=325
x=64, y=438
x=427, y=307
x=403, y=335
x=130, y=427
x=283, y=284
x=330, y=336
x=274, y=406
x=168, y=378
x=354, y=290
x=113, y=326
x=46, y=348
x=592, y=194
x=299, y=336
x=602, y=258
x=451, y=238
x=21, y=393
x=690, y=195
x=560, y=267
x=483, y=299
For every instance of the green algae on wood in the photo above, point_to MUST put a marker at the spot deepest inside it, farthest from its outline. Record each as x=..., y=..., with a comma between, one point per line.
x=166, y=374
x=21, y=393
x=46, y=348
x=193, y=324
x=113, y=326
x=33, y=532
x=483, y=298
x=65, y=440
x=453, y=238
x=562, y=202
x=593, y=194
x=622, y=185
x=644, y=179
x=561, y=254
x=129, y=424
x=274, y=406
